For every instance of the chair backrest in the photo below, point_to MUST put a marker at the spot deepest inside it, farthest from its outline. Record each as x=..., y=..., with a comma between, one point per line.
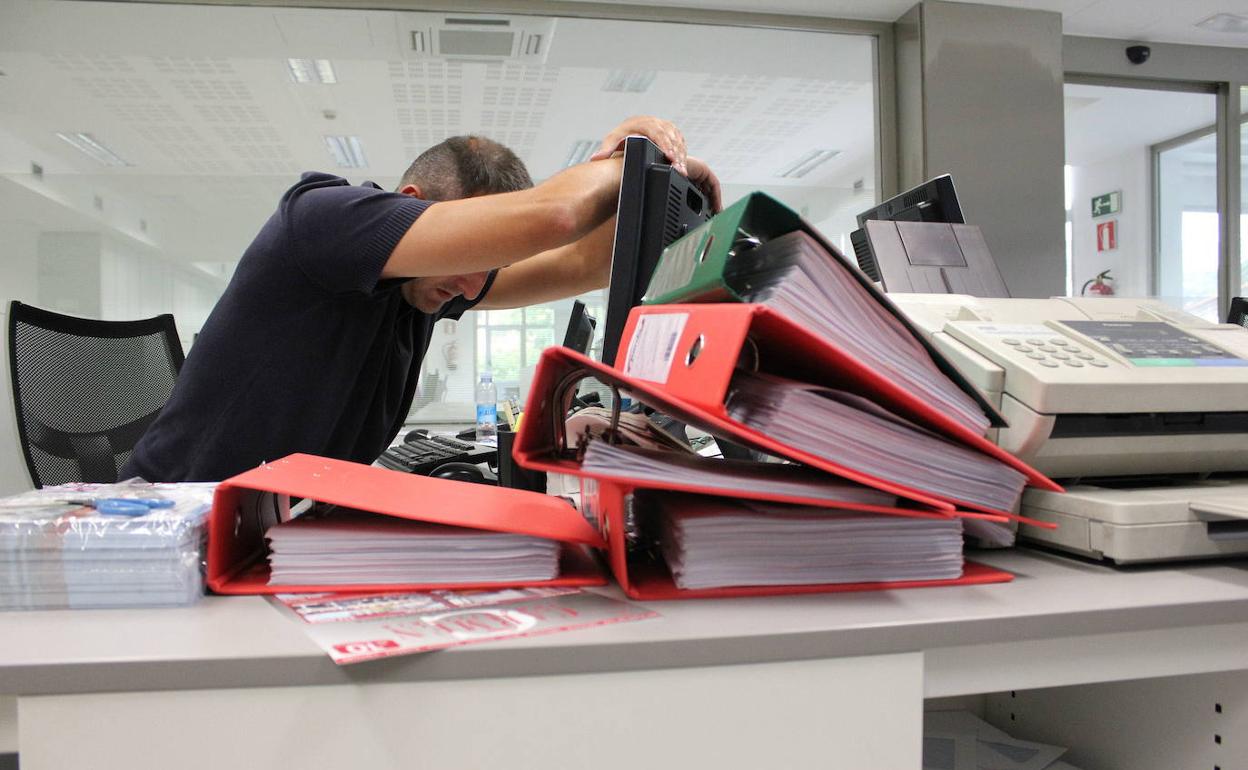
x=86, y=390
x=1238, y=314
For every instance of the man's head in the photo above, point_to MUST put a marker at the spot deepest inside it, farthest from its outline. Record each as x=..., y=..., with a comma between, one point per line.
x=459, y=167
x=465, y=167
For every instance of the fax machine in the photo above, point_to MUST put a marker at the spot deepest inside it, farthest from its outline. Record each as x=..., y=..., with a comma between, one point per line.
x=1141, y=411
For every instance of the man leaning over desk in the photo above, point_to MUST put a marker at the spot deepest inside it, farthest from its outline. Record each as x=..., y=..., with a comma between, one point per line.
x=316, y=344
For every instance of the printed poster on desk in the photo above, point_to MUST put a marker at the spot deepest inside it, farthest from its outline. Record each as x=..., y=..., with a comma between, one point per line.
x=453, y=619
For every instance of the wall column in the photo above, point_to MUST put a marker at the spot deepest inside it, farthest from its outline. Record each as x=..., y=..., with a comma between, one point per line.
x=980, y=97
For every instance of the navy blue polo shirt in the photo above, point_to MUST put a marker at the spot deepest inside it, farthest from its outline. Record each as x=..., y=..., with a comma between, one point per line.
x=308, y=350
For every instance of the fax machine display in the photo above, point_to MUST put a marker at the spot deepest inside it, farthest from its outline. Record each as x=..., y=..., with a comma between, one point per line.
x=1153, y=343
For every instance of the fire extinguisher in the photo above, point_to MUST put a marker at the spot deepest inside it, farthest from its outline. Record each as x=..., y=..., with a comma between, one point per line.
x=1102, y=284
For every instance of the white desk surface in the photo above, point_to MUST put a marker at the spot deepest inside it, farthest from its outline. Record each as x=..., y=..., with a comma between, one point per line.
x=227, y=642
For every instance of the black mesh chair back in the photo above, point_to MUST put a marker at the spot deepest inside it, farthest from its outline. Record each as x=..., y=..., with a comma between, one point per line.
x=85, y=390
x=1238, y=314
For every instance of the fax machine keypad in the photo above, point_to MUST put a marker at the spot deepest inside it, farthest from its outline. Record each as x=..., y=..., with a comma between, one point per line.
x=1055, y=352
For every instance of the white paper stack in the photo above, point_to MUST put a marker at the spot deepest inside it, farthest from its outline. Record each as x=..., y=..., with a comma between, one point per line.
x=713, y=542
x=55, y=555
x=627, y=463
x=857, y=434
x=345, y=547
x=796, y=276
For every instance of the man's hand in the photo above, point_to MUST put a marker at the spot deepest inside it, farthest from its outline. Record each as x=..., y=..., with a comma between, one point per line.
x=701, y=175
x=665, y=135
x=672, y=143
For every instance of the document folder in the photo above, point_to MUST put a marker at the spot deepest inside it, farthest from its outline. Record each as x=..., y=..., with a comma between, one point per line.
x=245, y=506
x=714, y=263
x=689, y=353
x=608, y=497
x=642, y=576
x=696, y=398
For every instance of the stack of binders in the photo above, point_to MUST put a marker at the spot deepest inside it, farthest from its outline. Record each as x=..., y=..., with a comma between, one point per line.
x=787, y=350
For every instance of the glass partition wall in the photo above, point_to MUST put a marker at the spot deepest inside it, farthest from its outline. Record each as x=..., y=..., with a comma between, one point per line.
x=1145, y=191
x=1243, y=192
x=143, y=145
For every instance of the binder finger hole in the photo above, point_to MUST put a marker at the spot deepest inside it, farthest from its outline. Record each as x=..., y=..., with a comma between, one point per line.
x=695, y=350
x=706, y=248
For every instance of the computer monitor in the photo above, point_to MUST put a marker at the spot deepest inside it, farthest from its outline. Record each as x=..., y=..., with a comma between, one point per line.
x=920, y=242
x=657, y=205
x=580, y=333
x=933, y=201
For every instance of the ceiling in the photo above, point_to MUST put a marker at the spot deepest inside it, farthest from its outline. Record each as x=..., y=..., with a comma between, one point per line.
x=200, y=103
x=1102, y=123
x=1153, y=21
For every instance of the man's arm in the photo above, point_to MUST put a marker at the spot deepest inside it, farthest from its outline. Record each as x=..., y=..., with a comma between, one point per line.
x=477, y=234
x=578, y=267
x=563, y=272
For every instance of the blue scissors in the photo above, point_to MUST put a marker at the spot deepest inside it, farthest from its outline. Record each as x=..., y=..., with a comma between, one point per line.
x=123, y=506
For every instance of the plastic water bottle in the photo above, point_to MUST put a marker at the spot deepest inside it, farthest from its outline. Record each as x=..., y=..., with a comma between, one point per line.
x=487, y=408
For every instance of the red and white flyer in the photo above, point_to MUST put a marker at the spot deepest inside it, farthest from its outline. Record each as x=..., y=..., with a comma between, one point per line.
x=442, y=626
x=341, y=607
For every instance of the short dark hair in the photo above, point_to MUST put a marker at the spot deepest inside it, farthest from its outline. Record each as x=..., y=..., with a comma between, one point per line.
x=466, y=166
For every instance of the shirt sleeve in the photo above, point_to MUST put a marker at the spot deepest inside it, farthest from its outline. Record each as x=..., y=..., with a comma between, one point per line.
x=343, y=234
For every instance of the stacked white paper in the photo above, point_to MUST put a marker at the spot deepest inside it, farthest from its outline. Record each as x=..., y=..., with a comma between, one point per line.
x=55, y=555
x=797, y=277
x=345, y=547
x=605, y=460
x=717, y=542
x=859, y=435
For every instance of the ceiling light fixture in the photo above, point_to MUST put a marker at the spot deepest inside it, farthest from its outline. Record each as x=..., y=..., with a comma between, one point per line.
x=346, y=151
x=807, y=163
x=311, y=71
x=1225, y=22
x=88, y=145
x=629, y=81
x=580, y=152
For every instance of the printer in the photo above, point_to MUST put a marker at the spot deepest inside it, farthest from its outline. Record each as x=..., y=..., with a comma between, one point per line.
x=1139, y=409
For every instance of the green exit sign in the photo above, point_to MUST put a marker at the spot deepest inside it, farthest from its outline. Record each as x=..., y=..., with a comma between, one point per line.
x=1109, y=203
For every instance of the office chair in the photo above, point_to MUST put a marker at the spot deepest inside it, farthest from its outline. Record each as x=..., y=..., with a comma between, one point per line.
x=85, y=390
x=1238, y=314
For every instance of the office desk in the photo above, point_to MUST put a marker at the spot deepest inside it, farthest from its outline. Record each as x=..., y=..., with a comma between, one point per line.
x=833, y=681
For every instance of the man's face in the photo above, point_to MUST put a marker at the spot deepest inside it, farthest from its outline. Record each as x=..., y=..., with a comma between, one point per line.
x=428, y=295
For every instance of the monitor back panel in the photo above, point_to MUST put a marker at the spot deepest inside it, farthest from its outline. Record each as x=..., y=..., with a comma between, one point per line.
x=933, y=258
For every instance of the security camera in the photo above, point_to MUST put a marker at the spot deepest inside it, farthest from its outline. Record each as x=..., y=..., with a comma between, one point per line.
x=1138, y=54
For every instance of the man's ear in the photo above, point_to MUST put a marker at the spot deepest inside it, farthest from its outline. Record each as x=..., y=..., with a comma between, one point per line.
x=412, y=190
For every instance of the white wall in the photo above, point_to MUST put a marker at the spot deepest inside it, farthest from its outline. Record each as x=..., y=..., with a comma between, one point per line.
x=136, y=284
x=1127, y=172
x=92, y=274
x=21, y=282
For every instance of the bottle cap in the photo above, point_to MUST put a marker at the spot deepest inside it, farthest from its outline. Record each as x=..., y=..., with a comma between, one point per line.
x=487, y=376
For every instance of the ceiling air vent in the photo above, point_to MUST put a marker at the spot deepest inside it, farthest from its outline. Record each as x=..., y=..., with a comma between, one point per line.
x=484, y=39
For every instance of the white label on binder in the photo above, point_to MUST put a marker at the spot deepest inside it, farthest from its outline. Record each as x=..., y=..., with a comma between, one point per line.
x=653, y=347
